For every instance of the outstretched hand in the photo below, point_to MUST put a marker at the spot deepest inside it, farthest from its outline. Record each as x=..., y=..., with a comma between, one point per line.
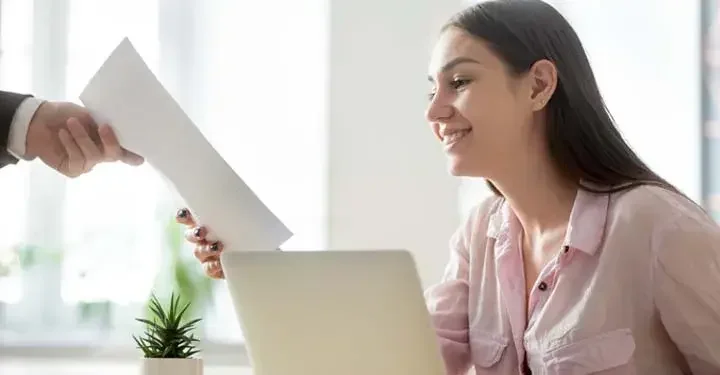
x=66, y=138
x=206, y=251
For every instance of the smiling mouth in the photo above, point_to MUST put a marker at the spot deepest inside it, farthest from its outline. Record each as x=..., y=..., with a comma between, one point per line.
x=452, y=138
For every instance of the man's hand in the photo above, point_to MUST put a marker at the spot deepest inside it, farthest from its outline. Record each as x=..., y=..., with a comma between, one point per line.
x=65, y=137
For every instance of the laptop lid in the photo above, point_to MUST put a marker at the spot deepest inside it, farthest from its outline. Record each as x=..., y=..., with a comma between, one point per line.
x=332, y=313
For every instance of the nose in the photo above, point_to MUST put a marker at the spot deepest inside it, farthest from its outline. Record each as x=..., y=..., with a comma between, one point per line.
x=438, y=110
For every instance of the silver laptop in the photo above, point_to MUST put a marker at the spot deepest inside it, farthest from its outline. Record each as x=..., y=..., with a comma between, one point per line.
x=332, y=313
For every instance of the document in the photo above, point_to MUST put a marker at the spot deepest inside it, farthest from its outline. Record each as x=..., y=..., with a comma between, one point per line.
x=148, y=121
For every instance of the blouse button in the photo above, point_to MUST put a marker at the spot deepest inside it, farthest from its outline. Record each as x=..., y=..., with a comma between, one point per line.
x=542, y=286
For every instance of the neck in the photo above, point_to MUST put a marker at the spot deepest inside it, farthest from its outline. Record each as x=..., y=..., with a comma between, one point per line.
x=539, y=195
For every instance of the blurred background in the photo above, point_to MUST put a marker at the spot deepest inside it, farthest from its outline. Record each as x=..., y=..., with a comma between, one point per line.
x=318, y=105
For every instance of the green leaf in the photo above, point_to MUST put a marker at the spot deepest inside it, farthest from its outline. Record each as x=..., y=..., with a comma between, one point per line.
x=167, y=335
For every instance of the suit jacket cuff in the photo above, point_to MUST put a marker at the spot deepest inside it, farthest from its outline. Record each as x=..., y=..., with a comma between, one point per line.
x=9, y=104
x=19, y=127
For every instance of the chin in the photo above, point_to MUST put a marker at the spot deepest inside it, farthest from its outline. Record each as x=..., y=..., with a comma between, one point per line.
x=461, y=168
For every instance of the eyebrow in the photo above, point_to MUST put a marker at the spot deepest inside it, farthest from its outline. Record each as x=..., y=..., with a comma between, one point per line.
x=453, y=63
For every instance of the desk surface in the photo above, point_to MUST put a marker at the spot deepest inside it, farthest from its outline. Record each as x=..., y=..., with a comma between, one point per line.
x=33, y=366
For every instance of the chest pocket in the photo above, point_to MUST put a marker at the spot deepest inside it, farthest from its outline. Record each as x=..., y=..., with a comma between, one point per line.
x=486, y=351
x=612, y=352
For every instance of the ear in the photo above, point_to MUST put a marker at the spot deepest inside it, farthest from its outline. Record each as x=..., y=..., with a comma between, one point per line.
x=543, y=76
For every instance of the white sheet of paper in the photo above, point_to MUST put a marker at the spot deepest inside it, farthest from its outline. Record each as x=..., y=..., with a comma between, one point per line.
x=148, y=121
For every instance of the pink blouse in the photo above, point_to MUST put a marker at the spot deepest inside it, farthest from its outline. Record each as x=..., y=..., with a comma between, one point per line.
x=635, y=290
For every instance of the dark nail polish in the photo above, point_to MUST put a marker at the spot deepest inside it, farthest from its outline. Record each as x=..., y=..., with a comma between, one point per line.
x=183, y=213
x=198, y=232
x=214, y=247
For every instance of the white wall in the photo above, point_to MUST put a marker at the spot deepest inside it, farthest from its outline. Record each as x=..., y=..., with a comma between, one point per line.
x=389, y=186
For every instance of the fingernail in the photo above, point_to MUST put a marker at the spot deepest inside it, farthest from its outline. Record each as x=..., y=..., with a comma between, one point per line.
x=183, y=213
x=198, y=232
x=214, y=247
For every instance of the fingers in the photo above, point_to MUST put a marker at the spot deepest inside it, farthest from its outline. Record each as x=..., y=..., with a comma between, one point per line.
x=209, y=255
x=111, y=146
x=184, y=216
x=113, y=150
x=91, y=153
x=73, y=164
x=208, y=251
x=87, y=145
x=131, y=158
x=83, y=144
x=213, y=268
x=204, y=249
x=196, y=234
x=83, y=152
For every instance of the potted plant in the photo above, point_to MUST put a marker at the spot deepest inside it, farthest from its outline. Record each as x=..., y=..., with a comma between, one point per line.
x=168, y=343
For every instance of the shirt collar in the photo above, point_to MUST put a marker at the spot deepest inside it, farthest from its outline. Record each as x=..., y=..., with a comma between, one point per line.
x=586, y=227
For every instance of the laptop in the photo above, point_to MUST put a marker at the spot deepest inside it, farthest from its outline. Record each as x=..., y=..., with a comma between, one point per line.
x=332, y=313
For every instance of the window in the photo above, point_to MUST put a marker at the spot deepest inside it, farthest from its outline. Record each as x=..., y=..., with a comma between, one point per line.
x=15, y=76
x=84, y=254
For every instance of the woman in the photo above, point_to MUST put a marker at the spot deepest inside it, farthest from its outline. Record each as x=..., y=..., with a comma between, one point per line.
x=585, y=261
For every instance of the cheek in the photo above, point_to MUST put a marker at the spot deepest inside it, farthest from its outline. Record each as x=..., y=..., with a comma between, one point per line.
x=492, y=116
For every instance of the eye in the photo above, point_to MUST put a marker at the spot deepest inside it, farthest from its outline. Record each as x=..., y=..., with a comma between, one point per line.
x=458, y=83
x=433, y=91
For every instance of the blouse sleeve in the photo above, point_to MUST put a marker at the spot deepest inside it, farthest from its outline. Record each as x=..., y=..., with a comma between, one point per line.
x=448, y=300
x=686, y=274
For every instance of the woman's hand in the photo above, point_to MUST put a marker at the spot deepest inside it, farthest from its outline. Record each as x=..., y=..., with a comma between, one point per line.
x=206, y=251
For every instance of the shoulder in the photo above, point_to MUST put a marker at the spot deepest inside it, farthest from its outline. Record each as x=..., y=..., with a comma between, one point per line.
x=684, y=245
x=655, y=206
x=672, y=219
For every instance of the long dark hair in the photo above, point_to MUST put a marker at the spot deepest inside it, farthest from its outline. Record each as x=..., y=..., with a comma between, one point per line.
x=583, y=140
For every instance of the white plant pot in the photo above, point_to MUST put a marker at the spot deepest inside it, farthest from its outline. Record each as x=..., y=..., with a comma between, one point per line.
x=172, y=366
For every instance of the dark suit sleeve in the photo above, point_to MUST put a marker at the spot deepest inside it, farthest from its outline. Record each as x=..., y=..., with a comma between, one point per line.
x=9, y=103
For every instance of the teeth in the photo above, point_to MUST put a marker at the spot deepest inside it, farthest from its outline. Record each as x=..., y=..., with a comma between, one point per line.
x=455, y=136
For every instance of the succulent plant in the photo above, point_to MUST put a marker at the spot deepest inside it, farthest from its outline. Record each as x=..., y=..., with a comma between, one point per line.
x=167, y=335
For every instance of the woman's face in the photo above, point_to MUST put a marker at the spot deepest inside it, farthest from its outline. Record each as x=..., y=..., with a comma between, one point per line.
x=479, y=112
